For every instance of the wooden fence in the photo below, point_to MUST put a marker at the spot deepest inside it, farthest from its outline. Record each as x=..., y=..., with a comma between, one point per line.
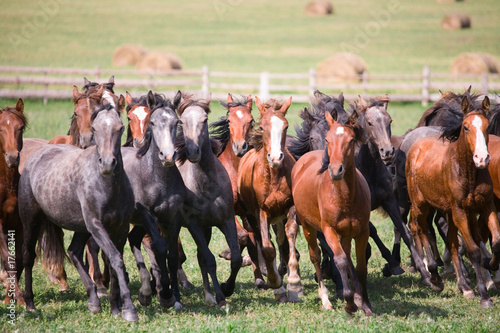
x=56, y=83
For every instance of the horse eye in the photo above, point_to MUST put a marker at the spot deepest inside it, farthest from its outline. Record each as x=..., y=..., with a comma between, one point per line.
x=466, y=128
x=151, y=123
x=370, y=124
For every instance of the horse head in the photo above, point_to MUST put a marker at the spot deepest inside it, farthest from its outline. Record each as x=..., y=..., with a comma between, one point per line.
x=240, y=123
x=85, y=105
x=12, y=124
x=475, y=131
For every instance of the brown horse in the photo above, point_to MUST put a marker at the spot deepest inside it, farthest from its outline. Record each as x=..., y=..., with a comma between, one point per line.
x=338, y=204
x=12, y=124
x=233, y=132
x=451, y=176
x=264, y=188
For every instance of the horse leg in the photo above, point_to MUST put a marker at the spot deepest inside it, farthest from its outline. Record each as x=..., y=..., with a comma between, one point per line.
x=392, y=267
x=279, y=231
x=11, y=242
x=155, y=283
x=432, y=265
x=462, y=223
x=94, y=271
x=269, y=253
x=339, y=291
x=114, y=254
x=491, y=283
x=294, y=286
x=181, y=275
x=361, y=271
x=494, y=229
x=315, y=256
x=431, y=236
x=229, y=230
x=135, y=237
x=173, y=257
x=31, y=230
x=54, y=264
x=342, y=263
x=75, y=252
x=243, y=242
x=255, y=251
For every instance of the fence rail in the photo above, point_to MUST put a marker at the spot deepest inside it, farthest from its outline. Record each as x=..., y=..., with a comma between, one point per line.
x=52, y=83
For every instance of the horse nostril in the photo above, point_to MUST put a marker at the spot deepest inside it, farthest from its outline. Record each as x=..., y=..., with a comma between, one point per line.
x=113, y=162
x=244, y=145
x=100, y=160
x=341, y=169
x=282, y=156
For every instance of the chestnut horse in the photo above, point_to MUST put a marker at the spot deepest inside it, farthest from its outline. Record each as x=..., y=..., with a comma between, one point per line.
x=264, y=188
x=451, y=176
x=338, y=204
x=12, y=124
x=233, y=133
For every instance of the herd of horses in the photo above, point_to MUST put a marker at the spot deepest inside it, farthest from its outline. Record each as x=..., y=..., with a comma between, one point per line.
x=177, y=170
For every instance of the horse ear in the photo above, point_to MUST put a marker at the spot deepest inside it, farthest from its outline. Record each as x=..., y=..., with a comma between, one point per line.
x=318, y=94
x=151, y=101
x=286, y=105
x=76, y=93
x=177, y=99
x=99, y=92
x=112, y=79
x=341, y=98
x=485, y=105
x=20, y=105
x=86, y=82
x=384, y=99
x=128, y=98
x=468, y=89
x=465, y=105
x=329, y=119
x=259, y=104
x=249, y=102
x=229, y=98
x=362, y=102
x=121, y=103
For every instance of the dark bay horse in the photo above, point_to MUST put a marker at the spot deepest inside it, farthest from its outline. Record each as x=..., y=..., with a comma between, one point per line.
x=338, y=204
x=87, y=191
x=12, y=125
x=159, y=194
x=233, y=133
x=264, y=188
x=451, y=175
x=209, y=200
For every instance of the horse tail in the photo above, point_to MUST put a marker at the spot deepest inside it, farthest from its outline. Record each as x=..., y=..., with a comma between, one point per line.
x=51, y=243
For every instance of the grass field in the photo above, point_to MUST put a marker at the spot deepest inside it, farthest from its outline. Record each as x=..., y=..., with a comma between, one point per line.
x=249, y=36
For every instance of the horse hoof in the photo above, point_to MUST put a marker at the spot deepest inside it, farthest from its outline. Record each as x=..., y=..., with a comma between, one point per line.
x=167, y=303
x=102, y=292
x=145, y=300
x=94, y=307
x=468, y=294
x=227, y=291
x=351, y=308
x=226, y=254
x=30, y=306
x=130, y=315
x=487, y=303
x=186, y=285
x=178, y=307
x=438, y=287
x=246, y=261
x=386, y=271
x=280, y=295
x=261, y=284
x=447, y=270
x=222, y=304
x=293, y=297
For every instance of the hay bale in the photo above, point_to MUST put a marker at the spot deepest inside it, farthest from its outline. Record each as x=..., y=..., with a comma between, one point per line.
x=455, y=21
x=475, y=63
x=319, y=7
x=341, y=67
x=128, y=55
x=157, y=61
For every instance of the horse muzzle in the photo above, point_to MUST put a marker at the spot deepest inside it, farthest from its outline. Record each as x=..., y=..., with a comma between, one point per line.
x=107, y=165
x=12, y=159
x=167, y=160
x=86, y=140
x=193, y=153
x=387, y=154
x=481, y=162
x=336, y=172
x=138, y=142
x=275, y=161
x=240, y=149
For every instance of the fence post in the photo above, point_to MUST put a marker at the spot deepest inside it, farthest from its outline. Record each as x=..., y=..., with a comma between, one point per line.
x=312, y=81
x=205, y=82
x=264, y=86
x=426, y=76
x=485, y=84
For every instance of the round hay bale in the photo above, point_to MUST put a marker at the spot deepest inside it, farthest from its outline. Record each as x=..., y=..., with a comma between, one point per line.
x=475, y=63
x=157, y=61
x=341, y=67
x=455, y=21
x=128, y=55
x=319, y=7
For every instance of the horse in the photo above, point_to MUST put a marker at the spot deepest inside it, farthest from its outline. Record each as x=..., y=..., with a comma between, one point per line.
x=338, y=204
x=233, y=134
x=311, y=136
x=209, y=201
x=159, y=194
x=264, y=189
x=450, y=174
x=87, y=191
x=12, y=125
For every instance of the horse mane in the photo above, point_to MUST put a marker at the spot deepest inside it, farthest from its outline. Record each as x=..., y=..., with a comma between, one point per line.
x=331, y=104
x=219, y=131
x=301, y=144
x=449, y=105
x=451, y=131
x=106, y=107
x=17, y=113
x=240, y=102
x=94, y=86
x=90, y=93
x=325, y=161
x=494, y=119
x=189, y=101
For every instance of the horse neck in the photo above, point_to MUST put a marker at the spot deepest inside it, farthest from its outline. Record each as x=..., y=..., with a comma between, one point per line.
x=272, y=176
x=347, y=187
x=463, y=158
x=9, y=177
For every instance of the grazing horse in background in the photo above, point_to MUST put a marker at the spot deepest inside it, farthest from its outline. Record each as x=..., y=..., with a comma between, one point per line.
x=87, y=191
x=159, y=194
x=210, y=200
x=264, y=188
x=233, y=133
x=338, y=204
x=451, y=175
x=12, y=125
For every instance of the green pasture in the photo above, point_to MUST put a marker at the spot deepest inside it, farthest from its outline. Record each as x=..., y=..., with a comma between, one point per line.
x=392, y=36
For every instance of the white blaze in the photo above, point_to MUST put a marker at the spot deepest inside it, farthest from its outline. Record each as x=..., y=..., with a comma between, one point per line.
x=276, y=132
x=340, y=130
x=481, y=150
x=141, y=115
x=239, y=114
x=107, y=96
